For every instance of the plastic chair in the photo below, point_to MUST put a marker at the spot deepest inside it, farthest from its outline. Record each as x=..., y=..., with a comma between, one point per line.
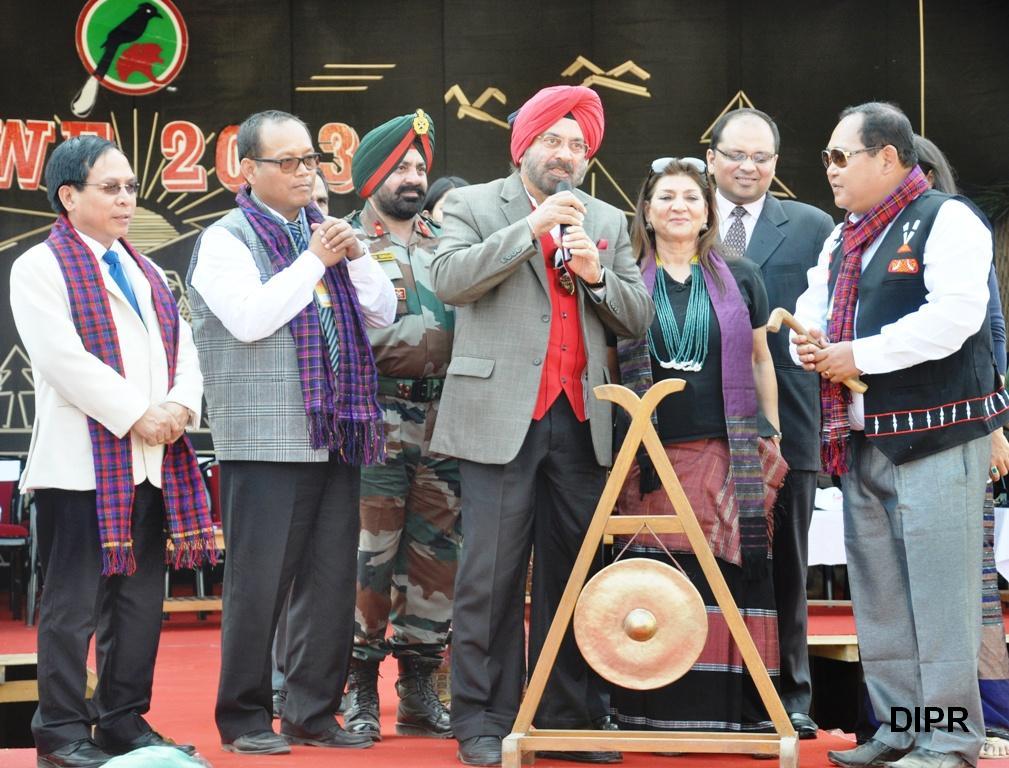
x=14, y=540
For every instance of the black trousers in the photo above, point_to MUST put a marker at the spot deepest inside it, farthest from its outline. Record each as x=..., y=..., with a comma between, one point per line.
x=288, y=528
x=791, y=555
x=123, y=612
x=501, y=519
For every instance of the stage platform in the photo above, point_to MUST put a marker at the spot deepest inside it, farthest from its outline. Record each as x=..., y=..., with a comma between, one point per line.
x=186, y=682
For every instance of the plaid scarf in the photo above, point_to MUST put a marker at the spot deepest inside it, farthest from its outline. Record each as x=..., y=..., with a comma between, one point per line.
x=186, y=510
x=343, y=411
x=738, y=395
x=855, y=238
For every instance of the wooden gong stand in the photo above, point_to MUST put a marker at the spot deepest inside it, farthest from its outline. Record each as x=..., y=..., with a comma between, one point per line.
x=519, y=748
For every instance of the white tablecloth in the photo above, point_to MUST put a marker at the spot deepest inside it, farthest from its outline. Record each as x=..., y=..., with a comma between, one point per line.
x=826, y=533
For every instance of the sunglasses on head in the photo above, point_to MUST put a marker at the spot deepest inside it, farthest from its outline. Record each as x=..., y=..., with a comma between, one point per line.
x=661, y=163
x=839, y=157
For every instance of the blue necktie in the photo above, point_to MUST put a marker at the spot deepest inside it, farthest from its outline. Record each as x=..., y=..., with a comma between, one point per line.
x=299, y=236
x=322, y=301
x=119, y=275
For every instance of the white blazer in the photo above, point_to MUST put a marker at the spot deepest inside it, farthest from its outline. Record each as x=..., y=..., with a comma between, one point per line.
x=72, y=384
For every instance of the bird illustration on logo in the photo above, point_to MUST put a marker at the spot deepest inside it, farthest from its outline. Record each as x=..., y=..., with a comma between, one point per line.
x=128, y=47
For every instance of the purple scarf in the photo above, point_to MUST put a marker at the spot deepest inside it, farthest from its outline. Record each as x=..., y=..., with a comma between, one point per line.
x=738, y=395
x=343, y=411
x=187, y=514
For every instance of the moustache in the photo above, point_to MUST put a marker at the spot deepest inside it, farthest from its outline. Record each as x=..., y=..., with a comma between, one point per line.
x=408, y=188
x=567, y=167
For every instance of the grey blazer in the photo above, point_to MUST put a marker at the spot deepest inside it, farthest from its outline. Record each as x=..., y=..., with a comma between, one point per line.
x=786, y=242
x=491, y=268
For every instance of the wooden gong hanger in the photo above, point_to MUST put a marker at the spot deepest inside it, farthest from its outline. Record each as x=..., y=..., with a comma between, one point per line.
x=519, y=748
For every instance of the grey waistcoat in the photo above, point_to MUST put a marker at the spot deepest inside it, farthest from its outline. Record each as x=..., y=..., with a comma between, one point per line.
x=254, y=400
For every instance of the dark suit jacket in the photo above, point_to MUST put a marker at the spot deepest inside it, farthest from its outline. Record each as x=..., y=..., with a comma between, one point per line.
x=786, y=242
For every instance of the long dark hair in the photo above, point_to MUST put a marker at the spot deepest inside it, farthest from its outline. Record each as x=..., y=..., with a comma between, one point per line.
x=931, y=158
x=643, y=239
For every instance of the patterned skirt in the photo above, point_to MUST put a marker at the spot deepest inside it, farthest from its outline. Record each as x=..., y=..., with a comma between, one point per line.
x=717, y=693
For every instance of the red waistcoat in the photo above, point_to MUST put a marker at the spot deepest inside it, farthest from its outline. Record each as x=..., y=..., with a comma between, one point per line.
x=565, y=361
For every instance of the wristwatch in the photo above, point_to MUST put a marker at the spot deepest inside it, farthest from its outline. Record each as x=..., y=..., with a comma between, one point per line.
x=601, y=283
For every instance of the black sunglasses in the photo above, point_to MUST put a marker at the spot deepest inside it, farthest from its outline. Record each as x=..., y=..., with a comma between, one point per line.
x=839, y=157
x=290, y=164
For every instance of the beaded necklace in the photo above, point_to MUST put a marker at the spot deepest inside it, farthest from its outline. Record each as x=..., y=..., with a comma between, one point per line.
x=688, y=348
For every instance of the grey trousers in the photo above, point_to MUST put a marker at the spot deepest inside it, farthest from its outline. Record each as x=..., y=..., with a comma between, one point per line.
x=912, y=533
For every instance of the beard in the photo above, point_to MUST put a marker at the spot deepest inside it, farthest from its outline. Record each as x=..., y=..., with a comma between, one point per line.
x=539, y=173
x=394, y=204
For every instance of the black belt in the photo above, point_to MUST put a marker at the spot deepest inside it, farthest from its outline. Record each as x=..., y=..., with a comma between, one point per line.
x=416, y=390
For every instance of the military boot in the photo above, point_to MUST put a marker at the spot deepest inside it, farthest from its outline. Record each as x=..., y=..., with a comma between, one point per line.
x=361, y=713
x=420, y=712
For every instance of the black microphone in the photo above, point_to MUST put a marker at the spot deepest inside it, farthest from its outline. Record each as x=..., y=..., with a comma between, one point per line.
x=563, y=186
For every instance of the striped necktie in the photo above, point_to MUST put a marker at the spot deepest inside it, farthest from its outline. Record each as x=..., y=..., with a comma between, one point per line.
x=735, y=238
x=322, y=300
x=119, y=275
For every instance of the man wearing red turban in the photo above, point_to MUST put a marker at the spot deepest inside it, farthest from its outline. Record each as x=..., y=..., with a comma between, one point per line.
x=539, y=274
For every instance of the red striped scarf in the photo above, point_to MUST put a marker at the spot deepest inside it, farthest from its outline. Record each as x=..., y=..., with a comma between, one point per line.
x=855, y=238
x=187, y=514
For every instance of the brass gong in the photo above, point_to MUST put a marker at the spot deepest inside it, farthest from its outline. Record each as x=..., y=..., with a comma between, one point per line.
x=640, y=623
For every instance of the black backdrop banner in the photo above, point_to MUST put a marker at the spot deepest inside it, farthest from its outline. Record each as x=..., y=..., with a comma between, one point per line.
x=171, y=86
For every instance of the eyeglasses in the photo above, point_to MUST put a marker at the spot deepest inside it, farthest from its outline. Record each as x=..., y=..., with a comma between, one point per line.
x=661, y=163
x=737, y=156
x=290, y=164
x=554, y=142
x=111, y=189
x=839, y=157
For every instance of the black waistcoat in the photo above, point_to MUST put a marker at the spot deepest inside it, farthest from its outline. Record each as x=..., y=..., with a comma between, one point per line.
x=921, y=410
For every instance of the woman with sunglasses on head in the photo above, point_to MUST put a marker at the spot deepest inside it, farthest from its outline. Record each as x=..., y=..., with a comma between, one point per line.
x=993, y=665
x=710, y=314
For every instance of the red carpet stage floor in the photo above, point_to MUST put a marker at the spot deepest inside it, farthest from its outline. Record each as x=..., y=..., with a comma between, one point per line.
x=186, y=681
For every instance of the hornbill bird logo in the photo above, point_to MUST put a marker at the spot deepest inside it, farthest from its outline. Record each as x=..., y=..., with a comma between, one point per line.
x=128, y=30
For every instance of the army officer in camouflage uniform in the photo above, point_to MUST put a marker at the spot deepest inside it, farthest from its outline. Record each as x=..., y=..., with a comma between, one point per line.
x=410, y=535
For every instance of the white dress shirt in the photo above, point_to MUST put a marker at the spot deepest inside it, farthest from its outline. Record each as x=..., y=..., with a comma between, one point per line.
x=227, y=278
x=957, y=259
x=725, y=219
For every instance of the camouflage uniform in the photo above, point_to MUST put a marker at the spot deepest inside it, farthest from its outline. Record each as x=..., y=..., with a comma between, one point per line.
x=410, y=532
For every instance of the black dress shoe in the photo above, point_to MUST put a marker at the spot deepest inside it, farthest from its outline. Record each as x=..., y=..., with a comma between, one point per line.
x=803, y=724
x=598, y=758
x=258, y=743
x=114, y=746
x=605, y=723
x=480, y=750
x=82, y=753
x=871, y=753
x=334, y=737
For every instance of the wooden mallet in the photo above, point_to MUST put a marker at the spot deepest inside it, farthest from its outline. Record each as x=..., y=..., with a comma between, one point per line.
x=782, y=315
